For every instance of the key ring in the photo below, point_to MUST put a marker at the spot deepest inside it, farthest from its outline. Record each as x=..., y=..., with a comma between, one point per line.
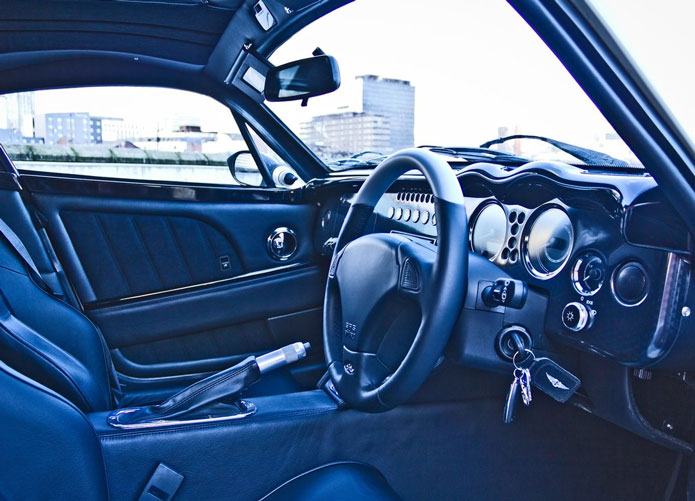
x=530, y=353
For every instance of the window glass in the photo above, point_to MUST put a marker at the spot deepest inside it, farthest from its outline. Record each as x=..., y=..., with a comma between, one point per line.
x=138, y=133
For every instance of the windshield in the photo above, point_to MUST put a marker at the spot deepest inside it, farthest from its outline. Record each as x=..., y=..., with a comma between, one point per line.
x=660, y=38
x=449, y=74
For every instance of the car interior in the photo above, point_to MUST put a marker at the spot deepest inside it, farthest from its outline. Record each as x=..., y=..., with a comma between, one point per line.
x=443, y=323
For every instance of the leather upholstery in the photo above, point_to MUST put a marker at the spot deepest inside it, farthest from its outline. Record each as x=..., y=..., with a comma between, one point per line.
x=131, y=254
x=346, y=481
x=49, y=449
x=50, y=341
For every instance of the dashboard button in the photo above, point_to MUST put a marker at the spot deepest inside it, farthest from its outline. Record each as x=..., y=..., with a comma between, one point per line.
x=575, y=316
x=630, y=284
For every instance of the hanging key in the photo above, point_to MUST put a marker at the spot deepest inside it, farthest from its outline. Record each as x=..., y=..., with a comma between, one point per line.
x=523, y=376
x=522, y=373
x=512, y=401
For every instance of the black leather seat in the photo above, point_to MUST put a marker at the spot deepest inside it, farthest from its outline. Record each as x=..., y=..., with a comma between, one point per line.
x=51, y=451
x=51, y=342
x=344, y=481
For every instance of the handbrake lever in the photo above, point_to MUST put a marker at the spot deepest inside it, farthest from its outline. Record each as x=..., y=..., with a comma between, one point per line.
x=225, y=384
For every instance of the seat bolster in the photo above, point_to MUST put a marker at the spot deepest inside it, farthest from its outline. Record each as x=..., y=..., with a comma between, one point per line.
x=49, y=448
x=342, y=481
x=52, y=343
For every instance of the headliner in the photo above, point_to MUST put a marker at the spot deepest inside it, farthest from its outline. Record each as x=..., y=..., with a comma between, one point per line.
x=176, y=30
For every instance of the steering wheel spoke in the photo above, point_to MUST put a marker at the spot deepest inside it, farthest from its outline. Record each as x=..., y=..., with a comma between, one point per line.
x=415, y=272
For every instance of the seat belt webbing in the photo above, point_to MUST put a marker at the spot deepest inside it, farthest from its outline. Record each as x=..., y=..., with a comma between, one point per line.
x=23, y=254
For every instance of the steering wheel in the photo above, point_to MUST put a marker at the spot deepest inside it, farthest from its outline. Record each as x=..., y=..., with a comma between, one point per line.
x=392, y=301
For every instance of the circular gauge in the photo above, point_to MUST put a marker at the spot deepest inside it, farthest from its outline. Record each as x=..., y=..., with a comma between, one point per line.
x=588, y=274
x=489, y=231
x=548, y=243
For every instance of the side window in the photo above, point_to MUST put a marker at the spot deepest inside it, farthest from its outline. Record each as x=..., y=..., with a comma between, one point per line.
x=137, y=133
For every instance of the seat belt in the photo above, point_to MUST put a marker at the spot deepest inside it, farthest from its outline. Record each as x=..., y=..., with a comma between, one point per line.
x=23, y=254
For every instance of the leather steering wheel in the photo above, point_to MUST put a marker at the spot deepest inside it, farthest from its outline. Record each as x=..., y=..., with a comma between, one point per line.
x=392, y=301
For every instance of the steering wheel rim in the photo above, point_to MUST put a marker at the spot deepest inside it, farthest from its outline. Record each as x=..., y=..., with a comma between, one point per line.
x=387, y=269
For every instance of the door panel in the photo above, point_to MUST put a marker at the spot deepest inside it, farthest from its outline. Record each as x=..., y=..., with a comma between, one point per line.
x=129, y=254
x=181, y=288
x=116, y=248
x=202, y=310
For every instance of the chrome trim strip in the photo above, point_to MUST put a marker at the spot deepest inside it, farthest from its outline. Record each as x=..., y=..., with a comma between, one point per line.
x=248, y=409
x=668, y=307
x=151, y=295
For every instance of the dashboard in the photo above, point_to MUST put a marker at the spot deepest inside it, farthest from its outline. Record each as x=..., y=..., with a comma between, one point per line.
x=596, y=249
x=606, y=262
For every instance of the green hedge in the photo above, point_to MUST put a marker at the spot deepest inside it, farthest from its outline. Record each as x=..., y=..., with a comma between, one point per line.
x=95, y=153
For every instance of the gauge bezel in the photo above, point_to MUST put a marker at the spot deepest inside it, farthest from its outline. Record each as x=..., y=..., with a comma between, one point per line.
x=528, y=228
x=575, y=270
x=474, y=222
x=615, y=294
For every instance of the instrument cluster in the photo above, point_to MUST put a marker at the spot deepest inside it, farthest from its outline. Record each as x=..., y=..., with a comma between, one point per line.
x=542, y=238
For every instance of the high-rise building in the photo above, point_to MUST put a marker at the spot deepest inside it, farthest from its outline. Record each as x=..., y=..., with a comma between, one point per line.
x=394, y=100
x=383, y=121
x=17, y=114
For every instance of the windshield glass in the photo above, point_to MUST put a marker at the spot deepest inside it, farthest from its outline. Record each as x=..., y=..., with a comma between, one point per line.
x=449, y=73
x=660, y=38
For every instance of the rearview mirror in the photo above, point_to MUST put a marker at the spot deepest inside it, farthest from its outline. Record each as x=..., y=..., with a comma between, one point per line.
x=302, y=79
x=244, y=169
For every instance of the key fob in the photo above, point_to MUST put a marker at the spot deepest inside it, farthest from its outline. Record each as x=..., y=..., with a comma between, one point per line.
x=553, y=380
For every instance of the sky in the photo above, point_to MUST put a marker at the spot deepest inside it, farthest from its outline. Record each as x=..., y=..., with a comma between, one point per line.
x=475, y=65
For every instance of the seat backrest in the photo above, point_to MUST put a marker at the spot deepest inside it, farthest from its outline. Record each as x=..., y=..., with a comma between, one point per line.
x=49, y=341
x=49, y=449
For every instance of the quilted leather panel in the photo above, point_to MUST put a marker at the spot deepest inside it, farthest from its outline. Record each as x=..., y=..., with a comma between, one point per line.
x=128, y=254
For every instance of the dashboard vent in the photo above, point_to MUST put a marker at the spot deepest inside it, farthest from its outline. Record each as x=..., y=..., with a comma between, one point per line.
x=411, y=196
